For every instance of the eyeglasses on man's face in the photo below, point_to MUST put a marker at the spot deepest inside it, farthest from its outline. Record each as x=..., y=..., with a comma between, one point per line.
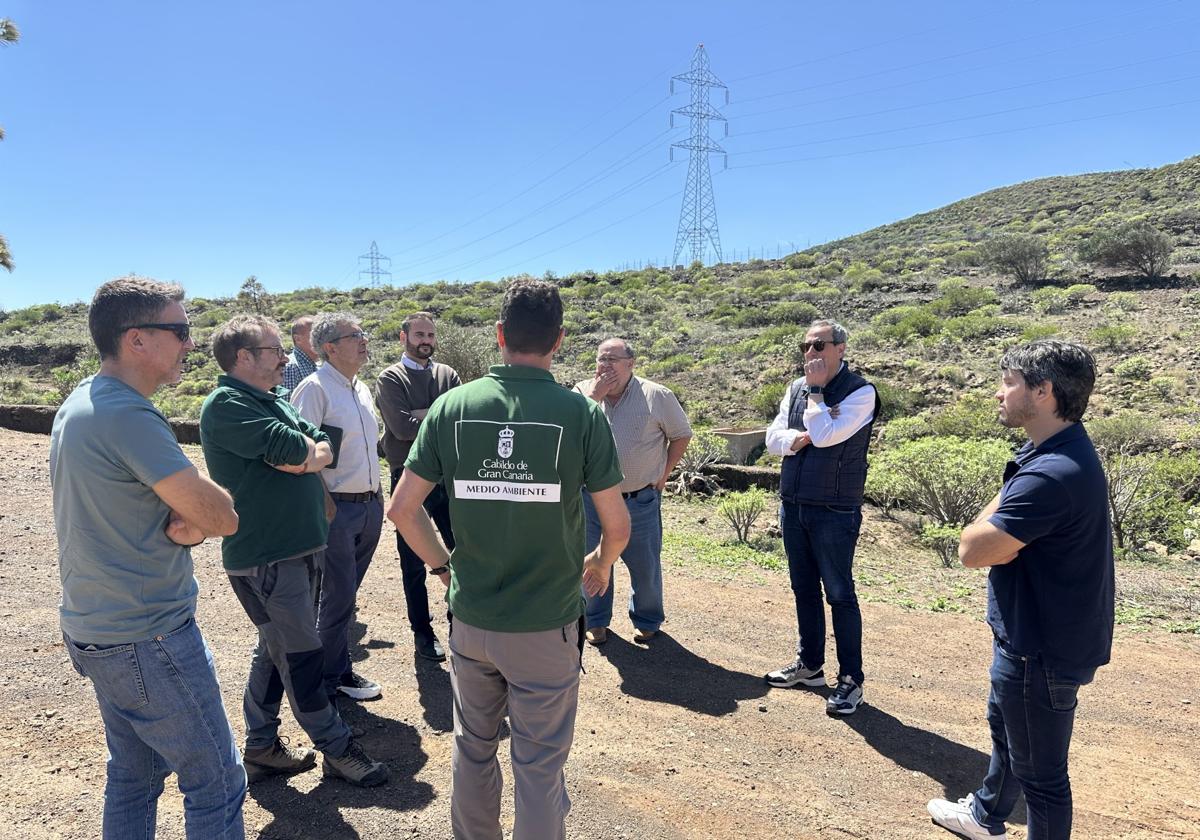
x=357, y=335
x=182, y=330
x=608, y=360
x=274, y=348
x=817, y=344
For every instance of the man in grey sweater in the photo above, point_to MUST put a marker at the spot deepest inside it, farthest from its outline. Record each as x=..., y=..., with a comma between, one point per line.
x=403, y=396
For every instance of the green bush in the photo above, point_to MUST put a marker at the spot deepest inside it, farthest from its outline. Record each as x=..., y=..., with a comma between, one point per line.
x=469, y=350
x=948, y=479
x=741, y=510
x=1036, y=332
x=901, y=323
x=1113, y=336
x=1136, y=246
x=1164, y=386
x=896, y=400
x=955, y=297
x=974, y=326
x=792, y=312
x=1051, y=300
x=1135, y=367
x=766, y=402
x=943, y=539
x=1123, y=302
x=1022, y=256
x=1077, y=292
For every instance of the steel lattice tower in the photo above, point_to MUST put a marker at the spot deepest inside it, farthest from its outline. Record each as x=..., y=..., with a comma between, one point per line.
x=373, y=269
x=698, y=215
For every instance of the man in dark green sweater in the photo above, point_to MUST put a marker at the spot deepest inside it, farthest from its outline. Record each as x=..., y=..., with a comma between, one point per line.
x=259, y=448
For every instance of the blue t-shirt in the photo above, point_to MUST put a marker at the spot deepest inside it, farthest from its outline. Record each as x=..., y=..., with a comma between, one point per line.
x=1056, y=599
x=123, y=580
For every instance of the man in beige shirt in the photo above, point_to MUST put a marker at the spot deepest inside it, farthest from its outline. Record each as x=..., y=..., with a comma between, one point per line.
x=651, y=432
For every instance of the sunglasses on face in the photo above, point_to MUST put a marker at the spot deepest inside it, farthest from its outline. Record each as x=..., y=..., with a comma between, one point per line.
x=276, y=349
x=816, y=344
x=183, y=331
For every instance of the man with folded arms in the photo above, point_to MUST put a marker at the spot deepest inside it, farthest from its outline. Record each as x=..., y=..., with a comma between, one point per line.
x=128, y=504
x=1047, y=541
x=266, y=454
x=336, y=400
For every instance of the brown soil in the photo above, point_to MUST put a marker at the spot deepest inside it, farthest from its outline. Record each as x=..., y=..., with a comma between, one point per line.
x=681, y=740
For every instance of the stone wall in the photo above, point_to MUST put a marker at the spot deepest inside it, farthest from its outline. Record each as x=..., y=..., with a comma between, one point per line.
x=38, y=419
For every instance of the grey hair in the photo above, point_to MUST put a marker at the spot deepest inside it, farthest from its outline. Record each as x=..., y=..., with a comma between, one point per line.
x=839, y=333
x=325, y=329
x=624, y=342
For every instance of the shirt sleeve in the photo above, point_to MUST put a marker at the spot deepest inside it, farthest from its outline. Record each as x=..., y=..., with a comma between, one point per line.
x=145, y=444
x=779, y=437
x=391, y=400
x=601, y=468
x=854, y=412
x=247, y=431
x=1031, y=506
x=672, y=419
x=424, y=459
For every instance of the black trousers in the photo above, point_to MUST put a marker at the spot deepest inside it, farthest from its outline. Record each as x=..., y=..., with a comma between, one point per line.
x=412, y=568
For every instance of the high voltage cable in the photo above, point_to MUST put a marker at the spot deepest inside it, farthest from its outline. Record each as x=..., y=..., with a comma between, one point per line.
x=965, y=136
x=539, y=158
x=935, y=60
x=864, y=48
x=950, y=120
x=655, y=173
x=608, y=171
x=538, y=183
x=1153, y=60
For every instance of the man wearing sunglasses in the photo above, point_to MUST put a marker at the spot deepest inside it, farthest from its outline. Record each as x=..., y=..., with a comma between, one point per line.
x=259, y=447
x=822, y=431
x=334, y=398
x=128, y=504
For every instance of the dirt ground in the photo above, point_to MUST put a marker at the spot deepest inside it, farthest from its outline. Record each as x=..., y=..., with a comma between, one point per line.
x=678, y=740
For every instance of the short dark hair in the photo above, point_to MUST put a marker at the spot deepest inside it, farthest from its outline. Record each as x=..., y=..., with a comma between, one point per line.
x=531, y=316
x=1069, y=368
x=300, y=323
x=121, y=303
x=238, y=333
x=416, y=316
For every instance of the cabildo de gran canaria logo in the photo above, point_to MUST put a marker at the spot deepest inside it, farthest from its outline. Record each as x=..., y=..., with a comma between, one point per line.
x=487, y=469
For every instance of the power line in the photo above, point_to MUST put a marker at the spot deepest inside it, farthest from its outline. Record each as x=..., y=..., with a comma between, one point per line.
x=967, y=118
x=965, y=136
x=698, y=212
x=375, y=261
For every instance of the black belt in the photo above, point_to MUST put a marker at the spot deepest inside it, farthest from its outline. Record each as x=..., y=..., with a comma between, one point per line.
x=355, y=497
x=633, y=493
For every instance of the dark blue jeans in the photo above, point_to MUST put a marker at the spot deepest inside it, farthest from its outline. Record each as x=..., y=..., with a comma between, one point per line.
x=820, y=541
x=1031, y=711
x=412, y=568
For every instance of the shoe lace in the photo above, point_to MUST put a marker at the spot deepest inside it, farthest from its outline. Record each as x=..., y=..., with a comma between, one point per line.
x=843, y=690
x=355, y=756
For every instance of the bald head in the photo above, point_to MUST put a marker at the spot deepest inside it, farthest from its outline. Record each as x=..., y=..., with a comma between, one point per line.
x=302, y=335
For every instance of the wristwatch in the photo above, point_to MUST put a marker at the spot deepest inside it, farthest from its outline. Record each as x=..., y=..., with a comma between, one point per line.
x=441, y=570
x=815, y=389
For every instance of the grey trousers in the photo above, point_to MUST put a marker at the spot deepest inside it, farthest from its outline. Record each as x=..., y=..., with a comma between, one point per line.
x=289, y=657
x=534, y=678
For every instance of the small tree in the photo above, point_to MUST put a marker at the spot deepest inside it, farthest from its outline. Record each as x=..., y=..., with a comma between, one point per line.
x=943, y=539
x=469, y=350
x=254, y=295
x=1136, y=246
x=948, y=479
x=1022, y=256
x=742, y=510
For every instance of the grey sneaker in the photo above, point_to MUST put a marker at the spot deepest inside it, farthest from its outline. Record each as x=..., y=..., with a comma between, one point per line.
x=845, y=698
x=796, y=674
x=958, y=818
x=355, y=766
x=279, y=759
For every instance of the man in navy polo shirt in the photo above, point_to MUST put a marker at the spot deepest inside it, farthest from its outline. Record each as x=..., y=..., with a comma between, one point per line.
x=1048, y=541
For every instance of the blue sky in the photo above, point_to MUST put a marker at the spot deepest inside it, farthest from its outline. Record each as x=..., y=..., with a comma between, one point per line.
x=205, y=142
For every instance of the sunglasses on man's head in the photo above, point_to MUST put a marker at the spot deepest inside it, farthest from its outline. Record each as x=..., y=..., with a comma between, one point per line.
x=816, y=344
x=183, y=331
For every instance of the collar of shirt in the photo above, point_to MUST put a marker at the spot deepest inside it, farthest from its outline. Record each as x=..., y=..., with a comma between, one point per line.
x=330, y=372
x=350, y=408
x=519, y=372
x=1070, y=433
x=234, y=382
x=413, y=364
x=607, y=406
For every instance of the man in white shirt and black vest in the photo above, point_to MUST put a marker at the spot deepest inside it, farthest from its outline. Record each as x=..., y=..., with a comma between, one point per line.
x=822, y=431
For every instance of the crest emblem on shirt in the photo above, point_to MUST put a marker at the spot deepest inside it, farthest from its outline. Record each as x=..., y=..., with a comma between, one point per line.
x=504, y=445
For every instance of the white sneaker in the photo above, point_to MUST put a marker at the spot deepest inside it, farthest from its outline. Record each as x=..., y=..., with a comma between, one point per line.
x=795, y=673
x=958, y=818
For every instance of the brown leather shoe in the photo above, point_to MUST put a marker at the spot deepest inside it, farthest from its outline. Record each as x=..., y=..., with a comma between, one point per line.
x=596, y=635
x=643, y=636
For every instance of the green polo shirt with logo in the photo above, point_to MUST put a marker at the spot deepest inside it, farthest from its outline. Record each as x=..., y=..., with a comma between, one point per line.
x=513, y=450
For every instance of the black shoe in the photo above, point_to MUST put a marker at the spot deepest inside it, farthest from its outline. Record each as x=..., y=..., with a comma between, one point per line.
x=428, y=647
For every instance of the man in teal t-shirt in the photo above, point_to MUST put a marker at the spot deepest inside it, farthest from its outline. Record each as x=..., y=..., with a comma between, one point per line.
x=513, y=450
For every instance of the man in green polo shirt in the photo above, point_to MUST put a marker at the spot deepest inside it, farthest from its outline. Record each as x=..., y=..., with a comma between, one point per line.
x=513, y=451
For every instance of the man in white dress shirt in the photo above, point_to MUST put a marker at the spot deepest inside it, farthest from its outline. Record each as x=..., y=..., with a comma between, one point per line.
x=822, y=431
x=339, y=403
